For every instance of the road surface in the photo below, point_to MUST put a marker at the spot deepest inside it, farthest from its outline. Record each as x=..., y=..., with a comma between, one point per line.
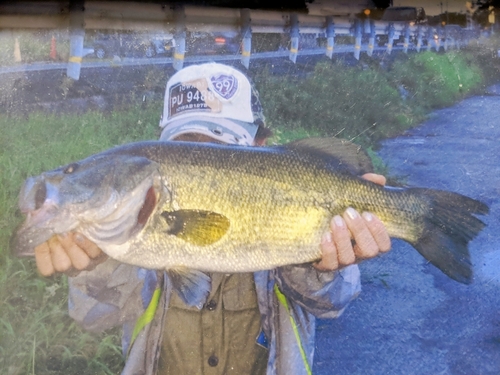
x=410, y=318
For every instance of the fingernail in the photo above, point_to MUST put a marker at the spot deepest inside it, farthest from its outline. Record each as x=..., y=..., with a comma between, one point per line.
x=339, y=222
x=79, y=238
x=352, y=213
x=367, y=216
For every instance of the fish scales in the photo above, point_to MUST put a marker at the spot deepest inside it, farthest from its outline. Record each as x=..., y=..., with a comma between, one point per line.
x=278, y=203
x=269, y=215
x=237, y=209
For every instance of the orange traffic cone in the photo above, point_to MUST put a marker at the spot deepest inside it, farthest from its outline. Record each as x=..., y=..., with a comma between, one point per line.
x=53, y=52
x=17, y=51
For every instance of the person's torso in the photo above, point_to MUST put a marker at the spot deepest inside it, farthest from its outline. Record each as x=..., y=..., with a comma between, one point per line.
x=221, y=338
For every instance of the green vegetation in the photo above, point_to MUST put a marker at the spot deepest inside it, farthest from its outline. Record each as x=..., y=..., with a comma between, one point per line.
x=365, y=103
x=36, y=334
x=368, y=103
x=33, y=46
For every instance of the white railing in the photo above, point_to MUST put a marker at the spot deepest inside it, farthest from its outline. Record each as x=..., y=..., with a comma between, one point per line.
x=366, y=35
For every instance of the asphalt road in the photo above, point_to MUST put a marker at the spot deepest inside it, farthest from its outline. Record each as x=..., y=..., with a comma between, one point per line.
x=410, y=318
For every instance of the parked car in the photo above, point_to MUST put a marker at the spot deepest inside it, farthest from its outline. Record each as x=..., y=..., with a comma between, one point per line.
x=411, y=15
x=448, y=34
x=402, y=15
x=132, y=44
x=213, y=43
x=160, y=45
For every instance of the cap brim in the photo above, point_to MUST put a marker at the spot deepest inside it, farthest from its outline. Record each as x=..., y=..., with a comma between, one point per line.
x=222, y=129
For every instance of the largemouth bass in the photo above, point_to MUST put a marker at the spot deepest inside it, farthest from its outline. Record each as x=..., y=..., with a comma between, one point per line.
x=215, y=208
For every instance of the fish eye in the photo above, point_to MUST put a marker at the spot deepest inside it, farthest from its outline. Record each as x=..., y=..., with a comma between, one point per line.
x=70, y=168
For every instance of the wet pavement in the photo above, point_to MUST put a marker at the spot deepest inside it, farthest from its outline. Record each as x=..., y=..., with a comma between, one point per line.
x=410, y=318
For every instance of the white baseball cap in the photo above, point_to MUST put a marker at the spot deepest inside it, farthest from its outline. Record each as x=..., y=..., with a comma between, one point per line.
x=211, y=99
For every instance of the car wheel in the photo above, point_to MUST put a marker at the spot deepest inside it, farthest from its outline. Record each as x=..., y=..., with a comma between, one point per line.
x=149, y=52
x=100, y=52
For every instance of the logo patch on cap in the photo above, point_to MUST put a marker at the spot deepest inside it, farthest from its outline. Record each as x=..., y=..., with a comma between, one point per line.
x=224, y=85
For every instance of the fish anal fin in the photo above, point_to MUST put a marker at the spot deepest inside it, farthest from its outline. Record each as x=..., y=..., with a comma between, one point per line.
x=197, y=227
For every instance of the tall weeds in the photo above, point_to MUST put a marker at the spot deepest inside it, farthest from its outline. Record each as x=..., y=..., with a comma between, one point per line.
x=369, y=102
x=36, y=334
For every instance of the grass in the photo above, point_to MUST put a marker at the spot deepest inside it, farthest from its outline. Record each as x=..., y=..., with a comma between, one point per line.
x=365, y=103
x=36, y=333
x=369, y=102
x=33, y=46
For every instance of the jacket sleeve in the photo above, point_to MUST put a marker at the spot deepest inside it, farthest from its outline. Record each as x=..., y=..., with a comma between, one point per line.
x=111, y=294
x=323, y=294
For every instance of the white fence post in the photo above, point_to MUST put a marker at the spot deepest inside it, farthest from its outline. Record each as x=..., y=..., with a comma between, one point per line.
x=246, y=33
x=430, y=38
x=407, y=39
x=358, y=34
x=419, y=37
x=371, y=38
x=330, y=37
x=77, y=34
x=294, y=37
x=179, y=37
x=390, y=38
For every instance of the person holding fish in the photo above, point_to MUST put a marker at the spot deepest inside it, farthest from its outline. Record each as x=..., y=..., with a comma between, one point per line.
x=218, y=323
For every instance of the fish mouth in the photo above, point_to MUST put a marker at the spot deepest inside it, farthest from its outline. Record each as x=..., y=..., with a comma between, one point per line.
x=112, y=221
x=38, y=200
x=33, y=195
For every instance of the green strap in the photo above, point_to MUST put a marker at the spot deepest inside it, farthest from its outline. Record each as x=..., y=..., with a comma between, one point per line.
x=284, y=302
x=147, y=316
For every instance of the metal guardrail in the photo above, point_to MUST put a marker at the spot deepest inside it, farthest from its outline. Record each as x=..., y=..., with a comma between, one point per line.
x=78, y=16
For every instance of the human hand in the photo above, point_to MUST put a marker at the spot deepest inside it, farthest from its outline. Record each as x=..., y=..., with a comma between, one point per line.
x=69, y=253
x=368, y=232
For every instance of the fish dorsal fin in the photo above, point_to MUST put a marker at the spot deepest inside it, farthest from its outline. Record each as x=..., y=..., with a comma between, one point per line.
x=345, y=154
x=197, y=227
x=192, y=286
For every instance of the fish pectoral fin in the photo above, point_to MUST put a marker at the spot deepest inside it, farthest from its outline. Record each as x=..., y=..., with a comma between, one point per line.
x=197, y=227
x=192, y=286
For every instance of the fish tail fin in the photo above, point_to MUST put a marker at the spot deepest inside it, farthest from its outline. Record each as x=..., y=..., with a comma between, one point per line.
x=449, y=225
